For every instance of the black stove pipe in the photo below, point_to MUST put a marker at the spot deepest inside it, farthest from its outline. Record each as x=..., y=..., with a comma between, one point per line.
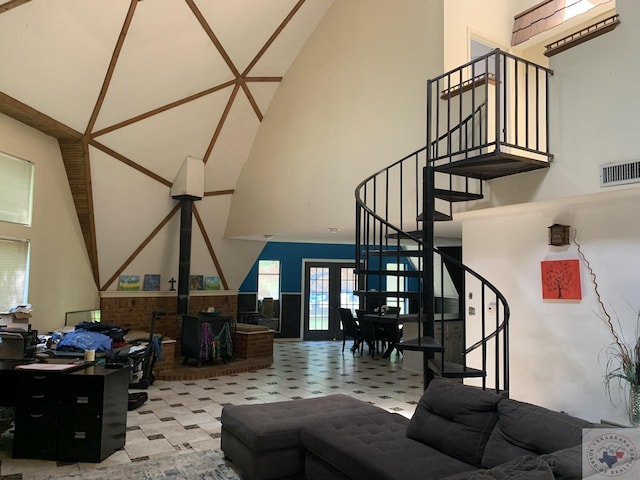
x=184, y=269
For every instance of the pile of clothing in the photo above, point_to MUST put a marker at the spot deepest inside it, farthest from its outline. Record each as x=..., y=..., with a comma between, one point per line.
x=101, y=337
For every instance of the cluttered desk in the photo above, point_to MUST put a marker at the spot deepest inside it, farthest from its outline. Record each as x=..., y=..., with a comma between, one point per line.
x=70, y=399
x=70, y=411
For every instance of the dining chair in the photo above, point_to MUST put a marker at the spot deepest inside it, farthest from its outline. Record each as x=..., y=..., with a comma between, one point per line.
x=350, y=329
x=374, y=335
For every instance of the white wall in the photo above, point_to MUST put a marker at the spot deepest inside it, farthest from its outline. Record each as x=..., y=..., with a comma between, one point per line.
x=352, y=103
x=60, y=274
x=490, y=21
x=593, y=115
x=558, y=347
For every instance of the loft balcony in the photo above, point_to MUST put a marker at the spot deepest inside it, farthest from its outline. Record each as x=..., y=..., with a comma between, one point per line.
x=489, y=118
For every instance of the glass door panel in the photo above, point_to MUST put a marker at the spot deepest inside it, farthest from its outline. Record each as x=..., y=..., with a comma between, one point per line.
x=327, y=287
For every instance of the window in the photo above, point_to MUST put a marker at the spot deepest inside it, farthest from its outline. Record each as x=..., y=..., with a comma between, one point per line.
x=269, y=279
x=16, y=194
x=396, y=284
x=14, y=272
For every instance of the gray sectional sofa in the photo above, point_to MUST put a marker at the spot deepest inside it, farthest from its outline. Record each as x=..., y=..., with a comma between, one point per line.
x=457, y=432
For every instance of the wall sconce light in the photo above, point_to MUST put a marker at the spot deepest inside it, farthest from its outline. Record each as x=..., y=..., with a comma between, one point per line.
x=559, y=235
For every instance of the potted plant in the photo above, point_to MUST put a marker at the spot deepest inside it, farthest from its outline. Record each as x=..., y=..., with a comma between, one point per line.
x=623, y=359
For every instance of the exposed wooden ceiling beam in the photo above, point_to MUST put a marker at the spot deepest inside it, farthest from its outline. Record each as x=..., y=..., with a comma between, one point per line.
x=209, y=31
x=273, y=37
x=5, y=7
x=112, y=65
x=212, y=253
x=75, y=156
x=145, y=242
x=23, y=113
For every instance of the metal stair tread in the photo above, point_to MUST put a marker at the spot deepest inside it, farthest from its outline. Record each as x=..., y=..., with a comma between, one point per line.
x=392, y=253
x=454, y=370
x=437, y=216
x=422, y=344
x=378, y=293
x=456, y=196
x=391, y=273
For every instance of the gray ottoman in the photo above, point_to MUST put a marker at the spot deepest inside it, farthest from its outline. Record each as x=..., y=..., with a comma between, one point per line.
x=263, y=440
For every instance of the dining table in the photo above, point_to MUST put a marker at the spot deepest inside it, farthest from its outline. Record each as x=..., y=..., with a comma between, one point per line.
x=392, y=324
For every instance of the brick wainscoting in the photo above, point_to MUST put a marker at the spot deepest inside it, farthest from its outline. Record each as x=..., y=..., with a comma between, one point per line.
x=134, y=311
x=253, y=349
x=253, y=341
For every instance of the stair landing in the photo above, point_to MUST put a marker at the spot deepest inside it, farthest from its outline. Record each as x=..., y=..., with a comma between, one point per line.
x=492, y=165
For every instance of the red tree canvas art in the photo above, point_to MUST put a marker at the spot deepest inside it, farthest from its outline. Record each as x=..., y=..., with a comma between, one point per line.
x=561, y=280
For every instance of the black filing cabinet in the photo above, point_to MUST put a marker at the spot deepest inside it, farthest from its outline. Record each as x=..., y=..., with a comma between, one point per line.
x=36, y=416
x=72, y=417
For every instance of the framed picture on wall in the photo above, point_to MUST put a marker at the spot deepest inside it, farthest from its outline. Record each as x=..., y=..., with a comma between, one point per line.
x=212, y=283
x=561, y=279
x=151, y=282
x=196, y=282
x=129, y=283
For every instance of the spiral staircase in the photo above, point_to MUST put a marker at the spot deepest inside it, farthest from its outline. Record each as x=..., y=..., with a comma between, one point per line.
x=486, y=119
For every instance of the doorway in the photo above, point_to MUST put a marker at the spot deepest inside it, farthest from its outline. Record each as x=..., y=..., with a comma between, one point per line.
x=327, y=286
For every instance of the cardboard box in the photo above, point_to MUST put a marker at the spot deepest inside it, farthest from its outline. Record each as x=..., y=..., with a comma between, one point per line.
x=17, y=314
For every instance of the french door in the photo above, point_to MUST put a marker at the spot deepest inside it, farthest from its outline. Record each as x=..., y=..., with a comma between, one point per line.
x=327, y=286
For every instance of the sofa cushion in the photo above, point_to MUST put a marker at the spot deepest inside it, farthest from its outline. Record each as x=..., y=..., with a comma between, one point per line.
x=272, y=426
x=374, y=447
x=527, y=467
x=565, y=464
x=455, y=419
x=524, y=428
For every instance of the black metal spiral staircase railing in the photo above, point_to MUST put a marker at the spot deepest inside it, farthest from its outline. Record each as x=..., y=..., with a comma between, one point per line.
x=486, y=119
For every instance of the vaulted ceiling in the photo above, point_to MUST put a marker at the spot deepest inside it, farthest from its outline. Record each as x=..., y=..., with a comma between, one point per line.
x=130, y=88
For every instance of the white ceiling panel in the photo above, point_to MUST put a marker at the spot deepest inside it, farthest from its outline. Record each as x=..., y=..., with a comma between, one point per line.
x=127, y=208
x=244, y=26
x=263, y=93
x=58, y=54
x=280, y=56
x=159, y=257
x=166, y=57
x=160, y=87
x=161, y=143
x=232, y=147
x=236, y=257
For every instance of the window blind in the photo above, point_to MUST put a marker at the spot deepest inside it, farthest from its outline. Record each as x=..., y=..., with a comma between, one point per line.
x=16, y=189
x=14, y=263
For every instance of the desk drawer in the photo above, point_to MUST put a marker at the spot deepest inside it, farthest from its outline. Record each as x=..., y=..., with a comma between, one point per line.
x=90, y=438
x=80, y=440
x=35, y=435
x=37, y=394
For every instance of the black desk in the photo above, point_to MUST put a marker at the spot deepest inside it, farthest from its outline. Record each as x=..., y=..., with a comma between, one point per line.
x=72, y=416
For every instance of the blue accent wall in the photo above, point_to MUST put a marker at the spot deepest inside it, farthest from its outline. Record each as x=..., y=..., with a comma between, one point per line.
x=291, y=256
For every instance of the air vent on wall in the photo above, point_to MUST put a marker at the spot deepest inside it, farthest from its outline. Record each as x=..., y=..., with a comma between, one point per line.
x=619, y=173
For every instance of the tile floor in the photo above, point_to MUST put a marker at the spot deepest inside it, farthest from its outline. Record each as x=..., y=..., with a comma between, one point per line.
x=183, y=415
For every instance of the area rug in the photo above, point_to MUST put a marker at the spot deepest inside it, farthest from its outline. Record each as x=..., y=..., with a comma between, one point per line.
x=204, y=465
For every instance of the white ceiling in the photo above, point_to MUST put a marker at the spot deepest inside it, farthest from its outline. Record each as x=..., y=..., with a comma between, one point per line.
x=147, y=83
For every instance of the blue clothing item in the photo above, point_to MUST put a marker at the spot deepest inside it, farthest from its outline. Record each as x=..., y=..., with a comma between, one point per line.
x=85, y=340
